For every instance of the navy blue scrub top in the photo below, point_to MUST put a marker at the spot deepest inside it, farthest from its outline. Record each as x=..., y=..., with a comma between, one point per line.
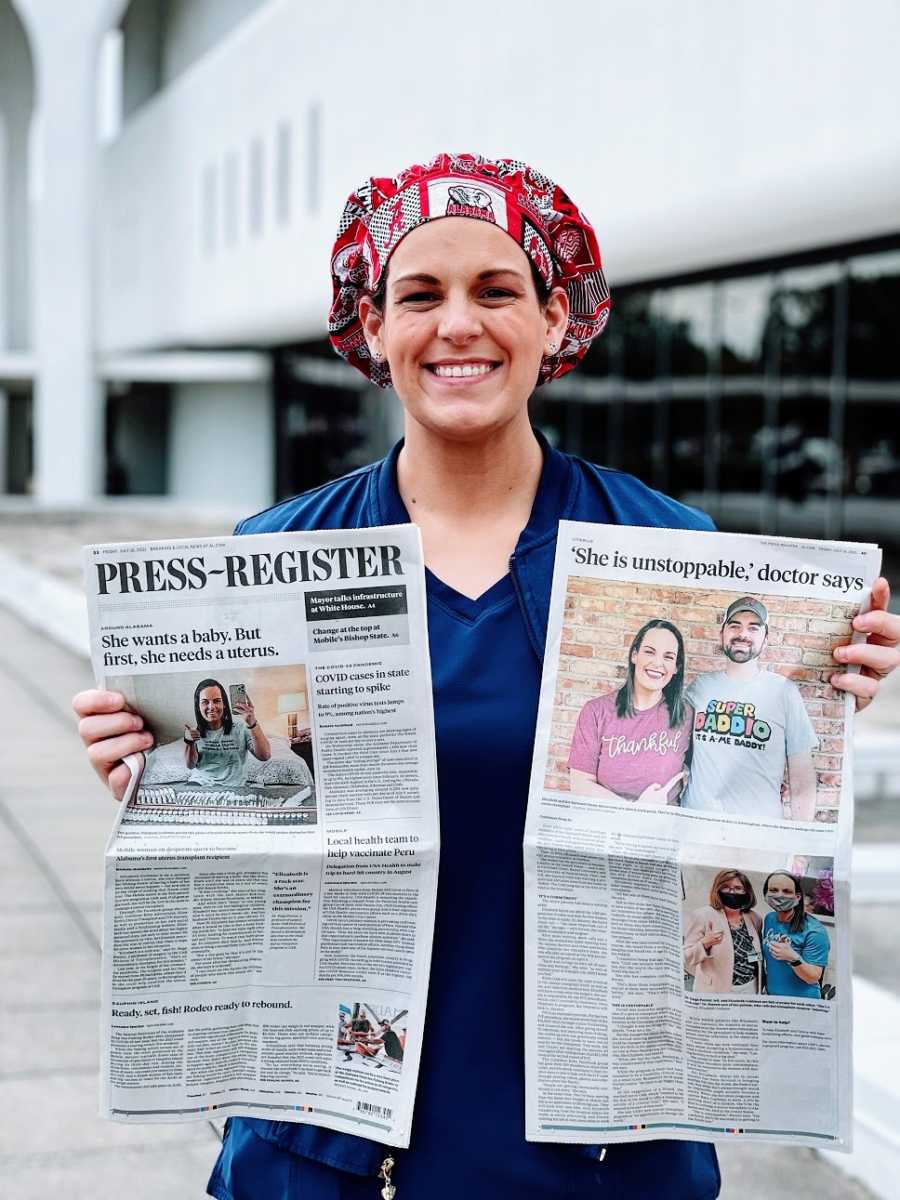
x=468, y=1130
x=486, y=682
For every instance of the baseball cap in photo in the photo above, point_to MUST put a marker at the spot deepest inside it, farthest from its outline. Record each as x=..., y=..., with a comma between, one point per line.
x=747, y=604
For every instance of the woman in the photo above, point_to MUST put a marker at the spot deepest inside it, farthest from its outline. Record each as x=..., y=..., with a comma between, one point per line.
x=721, y=940
x=216, y=747
x=633, y=744
x=795, y=944
x=465, y=307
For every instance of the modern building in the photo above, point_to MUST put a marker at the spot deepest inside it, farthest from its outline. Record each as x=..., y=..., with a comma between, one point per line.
x=171, y=172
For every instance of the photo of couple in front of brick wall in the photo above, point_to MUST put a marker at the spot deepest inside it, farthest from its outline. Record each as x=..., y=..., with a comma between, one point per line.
x=710, y=701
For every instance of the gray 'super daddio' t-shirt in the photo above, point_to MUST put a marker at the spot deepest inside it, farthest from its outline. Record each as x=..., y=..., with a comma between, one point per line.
x=744, y=732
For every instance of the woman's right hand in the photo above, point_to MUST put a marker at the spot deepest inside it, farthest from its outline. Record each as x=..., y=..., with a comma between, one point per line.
x=712, y=939
x=658, y=793
x=110, y=731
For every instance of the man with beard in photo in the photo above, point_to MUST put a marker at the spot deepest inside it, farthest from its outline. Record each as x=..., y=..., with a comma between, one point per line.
x=750, y=724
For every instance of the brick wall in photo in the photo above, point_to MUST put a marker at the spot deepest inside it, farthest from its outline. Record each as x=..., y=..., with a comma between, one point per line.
x=602, y=617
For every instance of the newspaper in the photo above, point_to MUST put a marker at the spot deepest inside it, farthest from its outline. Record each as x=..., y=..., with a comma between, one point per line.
x=271, y=875
x=687, y=845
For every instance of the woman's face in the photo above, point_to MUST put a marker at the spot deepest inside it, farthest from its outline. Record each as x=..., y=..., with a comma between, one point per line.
x=212, y=706
x=655, y=661
x=462, y=328
x=732, y=886
x=781, y=886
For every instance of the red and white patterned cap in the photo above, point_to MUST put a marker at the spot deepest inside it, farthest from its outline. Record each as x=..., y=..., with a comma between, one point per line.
x=557, y=237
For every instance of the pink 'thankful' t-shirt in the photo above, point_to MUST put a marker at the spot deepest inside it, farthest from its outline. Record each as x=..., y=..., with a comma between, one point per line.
x=627, y=754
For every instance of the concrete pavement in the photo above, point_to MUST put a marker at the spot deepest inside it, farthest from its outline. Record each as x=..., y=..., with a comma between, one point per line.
x=54, y=819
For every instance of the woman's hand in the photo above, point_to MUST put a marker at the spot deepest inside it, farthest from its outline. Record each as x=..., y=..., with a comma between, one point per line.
x=658, y=793
x=878, y=656
x=783, y=951
x=245, y=709
x=110, y=731
x=191, y=734
x=712, y=939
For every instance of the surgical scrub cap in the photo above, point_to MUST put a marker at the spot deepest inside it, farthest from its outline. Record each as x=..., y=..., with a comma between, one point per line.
x=557, y=237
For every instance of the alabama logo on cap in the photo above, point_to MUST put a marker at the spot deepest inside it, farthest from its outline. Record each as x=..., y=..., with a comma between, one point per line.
x=453, y=198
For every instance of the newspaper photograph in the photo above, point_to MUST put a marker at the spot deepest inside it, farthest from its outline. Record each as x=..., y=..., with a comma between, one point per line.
x=687, y=843
x=272, y=870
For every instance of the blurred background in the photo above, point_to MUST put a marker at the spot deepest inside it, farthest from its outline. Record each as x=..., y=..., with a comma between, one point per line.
x=171, y=174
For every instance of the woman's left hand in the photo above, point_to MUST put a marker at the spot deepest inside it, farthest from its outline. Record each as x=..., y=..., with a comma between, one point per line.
x=876, y=657
x=245, y=709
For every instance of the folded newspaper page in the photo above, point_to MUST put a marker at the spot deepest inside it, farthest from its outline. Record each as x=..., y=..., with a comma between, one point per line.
x=271, y=875
x=687, y=845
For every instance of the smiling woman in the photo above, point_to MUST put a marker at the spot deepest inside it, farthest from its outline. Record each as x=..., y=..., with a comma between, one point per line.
x=464, y=342
x=634, y=743
x=466, y=282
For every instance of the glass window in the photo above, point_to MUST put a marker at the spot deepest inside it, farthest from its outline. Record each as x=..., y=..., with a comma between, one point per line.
x=637, y=326
x=137, y=439
x=873, y=348
x=802, y=320
x=744, y=314
x=873, y=451
x=328, y=421
x=19, y=441
x=755, y=395
x=806, y=460
x=688, y=316
x=578, y=427
x=742, y=442
x=687, y=422
x=802, y=456
x=640, y=421
x=600, y=356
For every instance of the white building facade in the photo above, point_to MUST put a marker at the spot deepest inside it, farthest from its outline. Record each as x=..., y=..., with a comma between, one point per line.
x=171, y=172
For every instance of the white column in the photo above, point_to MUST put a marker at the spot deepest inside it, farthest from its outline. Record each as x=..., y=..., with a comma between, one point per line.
x=68, y=427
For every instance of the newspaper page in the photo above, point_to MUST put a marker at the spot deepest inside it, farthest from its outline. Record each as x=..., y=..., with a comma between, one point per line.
x=271, y=875
x=687, y=845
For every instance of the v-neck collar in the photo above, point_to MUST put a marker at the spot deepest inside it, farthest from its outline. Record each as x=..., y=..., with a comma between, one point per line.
x=467, y=609
x=549, y=502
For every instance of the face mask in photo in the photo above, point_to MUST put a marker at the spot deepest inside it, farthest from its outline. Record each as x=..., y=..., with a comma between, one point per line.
x=782, y=903
x=734, y=900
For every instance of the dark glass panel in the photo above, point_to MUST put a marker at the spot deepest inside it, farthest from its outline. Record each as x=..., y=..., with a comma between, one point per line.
x=802, y=320
x=574, y=426
x=587, y=428
x=598, y=360
x=687, y=465
x=19, y=442
x=806, y=459
x=639, y=423
x=137, y=439
x=327, y=421
x=322, y=437
x=743, y=316
x=636, y=325
x=799, y=452
x=688, y=314
x=873, y=450
x=873, y=350
x=741, y=442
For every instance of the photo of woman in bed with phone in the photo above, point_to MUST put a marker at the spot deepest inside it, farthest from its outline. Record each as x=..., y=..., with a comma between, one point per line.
x=224, y=731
